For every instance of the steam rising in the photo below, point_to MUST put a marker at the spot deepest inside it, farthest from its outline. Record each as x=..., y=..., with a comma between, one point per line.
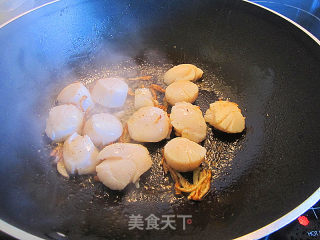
x=36, y=63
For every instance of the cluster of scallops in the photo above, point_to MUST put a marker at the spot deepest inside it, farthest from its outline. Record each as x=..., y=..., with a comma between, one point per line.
x=100, y=144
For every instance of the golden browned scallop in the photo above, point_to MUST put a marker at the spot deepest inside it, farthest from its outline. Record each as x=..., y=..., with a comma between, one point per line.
x=225, y=116
x=181, y=91
x=182, y=72
x=188, y=121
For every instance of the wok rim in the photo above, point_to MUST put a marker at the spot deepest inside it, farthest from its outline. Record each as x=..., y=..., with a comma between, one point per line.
x=257, y=234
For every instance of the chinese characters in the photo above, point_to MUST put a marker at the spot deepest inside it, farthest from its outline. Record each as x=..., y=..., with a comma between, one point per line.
x=152, y=222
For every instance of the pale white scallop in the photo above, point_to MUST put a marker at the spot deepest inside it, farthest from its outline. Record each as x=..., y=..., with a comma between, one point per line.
x=63, y=121
x=182, y=72
x=184, y=155
x=77, y=94
x=110, y=92
x=122, y=163
x=149, y=124
x=143, y=98
x=80, y=155
x=225, y=116
x=116, y=174
x=188, y=122
x=103, y=128
x=181, y=91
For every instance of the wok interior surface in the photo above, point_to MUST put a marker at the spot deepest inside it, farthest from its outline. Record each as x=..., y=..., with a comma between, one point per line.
x=248, y=55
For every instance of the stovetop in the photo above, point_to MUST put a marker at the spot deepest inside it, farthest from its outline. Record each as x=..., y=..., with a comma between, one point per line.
x=305, y=227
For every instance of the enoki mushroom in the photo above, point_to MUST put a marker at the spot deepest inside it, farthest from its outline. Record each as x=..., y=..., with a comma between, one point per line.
x=125, y=135
x=198, y=189
x=57, y=153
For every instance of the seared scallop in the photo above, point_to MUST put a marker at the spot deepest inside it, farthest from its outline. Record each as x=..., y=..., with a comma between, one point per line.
x=63, y=121
x=181, y=91
x=188, y=122
x=184, y=155
x=110, y=92
x=77, y=94
x=143, y=98
x=182, y=72
x=103, y=128
x=149, y=124
x=80, y=155
x=225, y=116
x=122, y=163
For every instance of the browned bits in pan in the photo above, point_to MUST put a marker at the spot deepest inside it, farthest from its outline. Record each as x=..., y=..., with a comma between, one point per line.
x=165, y=103
x=130, y=92
x=157, y=88
x=161, y=107
x=96, y=178
x=197, y=190
x=154, y=94
x=124, y=138
x=81, y=102
x=57, y=152
x=154, y=88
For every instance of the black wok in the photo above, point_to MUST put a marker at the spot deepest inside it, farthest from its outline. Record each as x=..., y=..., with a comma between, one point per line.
x=249, y=55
